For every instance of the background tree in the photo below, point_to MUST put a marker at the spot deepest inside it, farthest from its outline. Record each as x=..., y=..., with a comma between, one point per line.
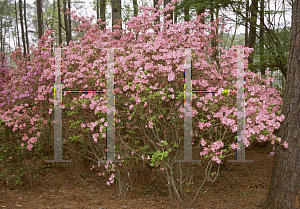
x=168, y=12
x=116, y=13
x=39, y=11
x=252, y=33
x=26, y=28
x=102, y=13
x=135, y=8
x=59, y=23
x=17, y=25
x=22, y=27
x=284, y=190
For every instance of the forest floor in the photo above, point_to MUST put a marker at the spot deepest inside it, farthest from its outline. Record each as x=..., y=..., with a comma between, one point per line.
x=244, y=185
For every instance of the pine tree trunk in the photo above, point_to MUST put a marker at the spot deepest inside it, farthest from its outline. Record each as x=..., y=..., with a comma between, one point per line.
x=261, y=39
x=284, y=191
x=66, y=22
x=135, y=8
x=116, y=14
x=157, y=20
x=70, y=23
x=22, y=28
x=39, y=17
x=252, y=34
x=26, y=31
x=102, y=13
x=59, y=23
x=246, y=25
x=168, y=12
x=17, y=26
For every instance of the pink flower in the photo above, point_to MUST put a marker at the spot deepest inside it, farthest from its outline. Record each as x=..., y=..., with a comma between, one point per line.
x=271, y=153
x=215, y=158
x=203, y=143
x=148, y=158
x=150, y=124
x=233, y=146
x=130, y=107
x=125, y=88
x=29, y=147
x=285, y=144
x=132, y=87
x=163, y=98
x=83, y=125
x=95, y=137
x=22, y=144
x=171, y=76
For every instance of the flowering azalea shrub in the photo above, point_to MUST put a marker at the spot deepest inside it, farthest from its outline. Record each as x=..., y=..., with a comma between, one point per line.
x=149, y=97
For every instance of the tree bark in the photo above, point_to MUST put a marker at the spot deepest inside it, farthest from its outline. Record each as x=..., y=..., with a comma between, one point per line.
x=1, y=38
x=252, y=34
x=22, y=28
x=17, y=26
x=39, y=17
x=102, y=13
x=246, y=25
x=199, y=12
x=97, y=8
x=26, y=30
x=66, y=22
x=284, y=191
x=168, y=12
x=175, y=13
x=186, y=12
x=157, y=19
x=52, y=46
x=116, y=14
x=70, y=23
x=261, y=39
x=135, y=8
x=59, y=23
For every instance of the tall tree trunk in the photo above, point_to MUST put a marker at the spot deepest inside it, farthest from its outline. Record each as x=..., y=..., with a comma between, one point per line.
x=59, y=23
x=261, y=39
x=52, y=46
x=169, y=11
x=135, y=8
x=39, y=17
x=284, y=191
x=157, y=19
x=175, y=13
x=252, y=34
x=26, y=31
x=22, y=28
x=97, y=8
x=1, y=37
x=116, y=14
x=102, y=13
x=199, y=12
x=17, y=26
x=70, y=23
x=66, y=22
x=186, y=12
x=247, y=24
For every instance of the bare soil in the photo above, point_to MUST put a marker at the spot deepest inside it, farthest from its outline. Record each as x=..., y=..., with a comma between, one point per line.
x=244, y=185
